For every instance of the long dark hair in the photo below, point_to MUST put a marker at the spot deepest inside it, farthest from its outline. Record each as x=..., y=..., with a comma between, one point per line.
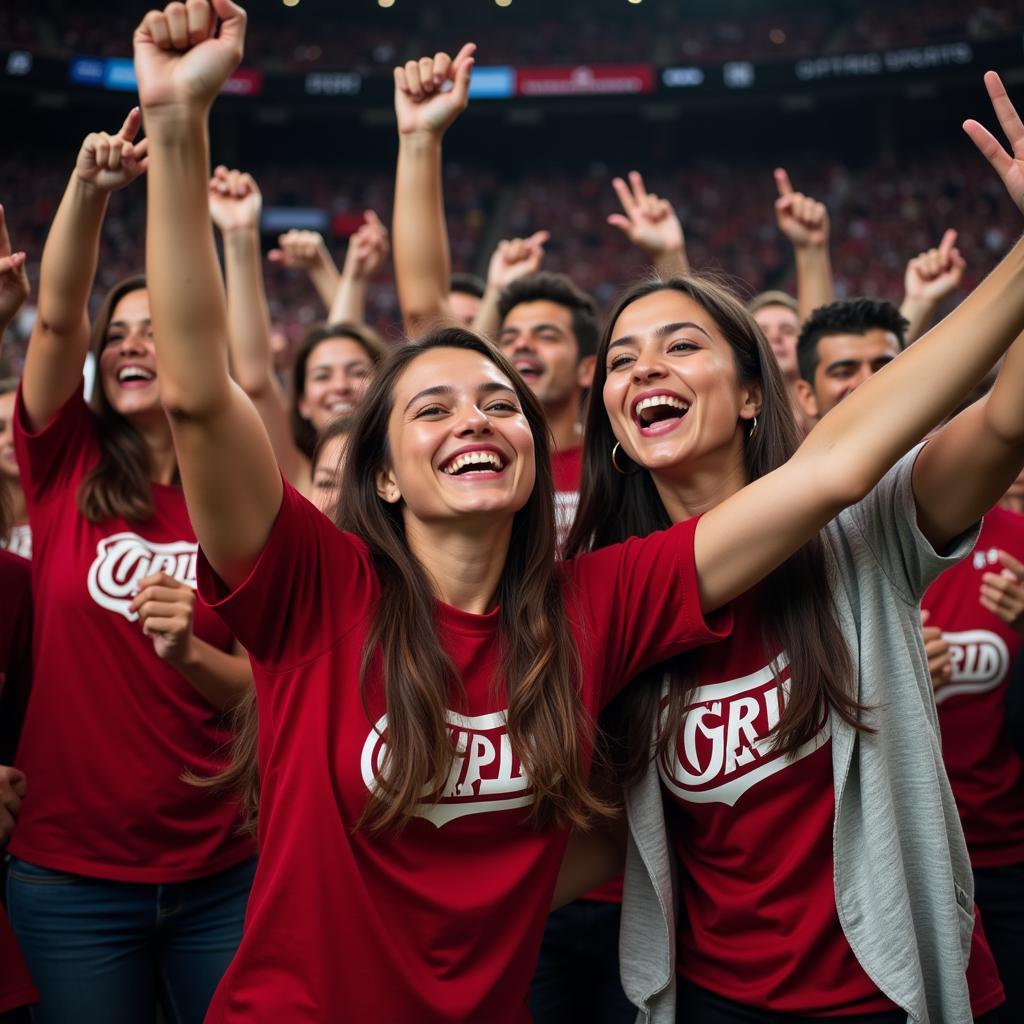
x=549, y=728
x=795, y=603
x=119, y=485
x=303, y=432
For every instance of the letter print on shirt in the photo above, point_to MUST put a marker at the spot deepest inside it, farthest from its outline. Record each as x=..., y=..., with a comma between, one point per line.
x=979, y=661
x=725, y=743
x=485, y=776
x=124, y=559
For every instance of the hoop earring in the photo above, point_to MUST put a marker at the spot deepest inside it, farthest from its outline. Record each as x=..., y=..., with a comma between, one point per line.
x=615, y=462
x=752, y=429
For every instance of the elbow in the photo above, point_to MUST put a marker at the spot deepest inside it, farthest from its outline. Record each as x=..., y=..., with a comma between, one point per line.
x=192, y=404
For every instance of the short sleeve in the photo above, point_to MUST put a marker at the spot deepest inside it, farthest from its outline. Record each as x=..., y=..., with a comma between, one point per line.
x=884, y=525
x=639, y=604
x=311, y=584
x=54, y=458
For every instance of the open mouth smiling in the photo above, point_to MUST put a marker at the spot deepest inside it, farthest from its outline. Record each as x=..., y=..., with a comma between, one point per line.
x=659, y=412
x=474, y=463
x=134, y=376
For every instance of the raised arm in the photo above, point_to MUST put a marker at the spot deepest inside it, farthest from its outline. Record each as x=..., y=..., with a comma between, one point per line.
x=844, y=456
x=307, y=250
x=365, y=257
x=235, y=205
x=512, y=259
x=60, y=338
x=14, y=287
x=929, y=278
x=650, y=222
x=425, y=111
x=228, y=469
x=804, y=221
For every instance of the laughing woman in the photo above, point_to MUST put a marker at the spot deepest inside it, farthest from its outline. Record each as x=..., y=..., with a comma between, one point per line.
x=820, y=862
x=426, y=706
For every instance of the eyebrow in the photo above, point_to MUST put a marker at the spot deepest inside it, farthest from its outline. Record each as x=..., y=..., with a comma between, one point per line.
x=849, y=364
x=128, y=323
x=445, y=390
x=662, y=332
x=516, y=328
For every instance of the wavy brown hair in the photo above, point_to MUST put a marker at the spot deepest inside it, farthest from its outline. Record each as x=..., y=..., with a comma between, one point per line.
x=303, y=432
x=119, y=485
x=550, y=730
x=795, y=603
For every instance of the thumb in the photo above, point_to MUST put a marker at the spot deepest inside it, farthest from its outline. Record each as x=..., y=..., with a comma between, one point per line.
x=232, y=22
x=782, y=182
x=947, y=243
x=463, y=67
x=538, y=237
x=925, y=616
x=276, y=256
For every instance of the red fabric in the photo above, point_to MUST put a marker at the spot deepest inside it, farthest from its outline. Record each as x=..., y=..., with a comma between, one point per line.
x=753, y=833
x=983, y=981
x=110, y=727
x=986, y=773
x=442, y=921
x=15, y=652
x=566, y=467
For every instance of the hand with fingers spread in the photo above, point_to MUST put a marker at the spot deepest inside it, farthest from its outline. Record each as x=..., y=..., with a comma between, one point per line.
x=368, y=249
x=515, y=258
x=1009, y=166
x=803, y=220
x=186, y=52
x=235, y=201
x=14, y=287
x=647, y=220
x=13, y=786
x=936, y=649
x=931, y=276
x=431, y=92
x=1002, y=593
x=165, y=607
x=111, y=162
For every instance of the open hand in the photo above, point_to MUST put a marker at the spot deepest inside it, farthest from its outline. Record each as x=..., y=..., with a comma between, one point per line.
x=648, y=220
x=110, y=162
x=14, y=286
x=803, y=220
x=931, y=276
x=431, y=92
x=179, y=60
x=515, y=258
x=165, y=607
x=1010, y=168
x=235, y=200
x=368, y=248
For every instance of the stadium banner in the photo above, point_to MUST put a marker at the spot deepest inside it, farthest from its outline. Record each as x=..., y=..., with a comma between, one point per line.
x=586, y=80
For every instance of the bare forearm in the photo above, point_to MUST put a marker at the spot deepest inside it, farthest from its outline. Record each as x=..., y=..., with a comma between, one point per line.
x=672, y=264
x=814, y=286
x=326, y=280
x=186, y=295
x=487, y=321
x=221, y=678
x=422, y=260
x=919, y=314
x=349, y=303
x=248, y=318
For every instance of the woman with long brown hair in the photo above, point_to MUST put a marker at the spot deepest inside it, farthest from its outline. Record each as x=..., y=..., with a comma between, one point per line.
x=820, y=862
x=127, y=885
x=427, y=677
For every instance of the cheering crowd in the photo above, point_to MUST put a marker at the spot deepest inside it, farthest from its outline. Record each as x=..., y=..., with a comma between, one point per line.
x=540, y=666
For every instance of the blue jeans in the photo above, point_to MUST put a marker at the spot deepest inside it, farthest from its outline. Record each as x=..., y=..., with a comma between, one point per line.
x=107, y=952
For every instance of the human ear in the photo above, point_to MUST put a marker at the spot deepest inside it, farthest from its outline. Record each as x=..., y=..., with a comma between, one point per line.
x=806, y=400
x=387, y=486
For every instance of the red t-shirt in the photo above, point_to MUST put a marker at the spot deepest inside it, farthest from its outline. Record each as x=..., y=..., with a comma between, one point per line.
x=442, y=921
x=110, y=727
x=566, y=468
x=15, y=658
x=753, y=833
x=986, y=773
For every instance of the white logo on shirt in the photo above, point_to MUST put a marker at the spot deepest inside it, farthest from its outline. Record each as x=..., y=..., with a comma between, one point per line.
x=726, y=740
x=980, y=660
x=124, y=559
x=485, y=775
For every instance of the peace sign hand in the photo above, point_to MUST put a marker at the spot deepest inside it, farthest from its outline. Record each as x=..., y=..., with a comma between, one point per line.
x=1009, y=168
x=650, y=221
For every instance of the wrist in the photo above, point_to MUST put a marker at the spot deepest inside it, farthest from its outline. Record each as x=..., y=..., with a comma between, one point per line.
x=88, y=191
x=240, y=234
x=420, y=141
x=169, y=122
